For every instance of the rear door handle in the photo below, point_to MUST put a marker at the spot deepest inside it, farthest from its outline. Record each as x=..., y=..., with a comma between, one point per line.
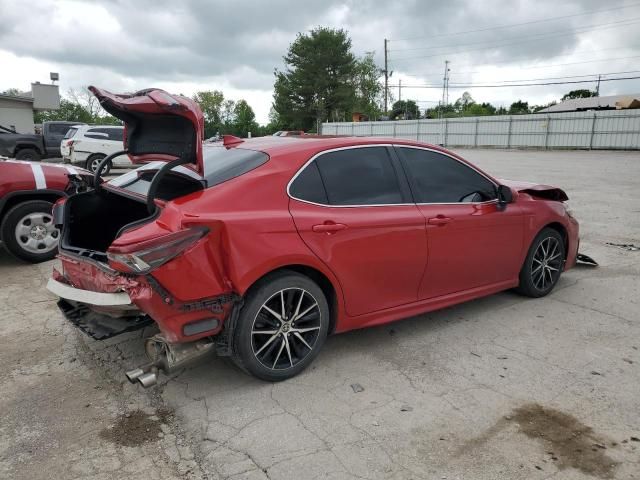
x=439, y=220
x=328, y=227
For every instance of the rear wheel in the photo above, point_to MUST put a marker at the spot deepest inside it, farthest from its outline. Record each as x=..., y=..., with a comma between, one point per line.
x=281, y=328
x=28, y=154
x=93, y=162
x=543, y=265
x=28, y=231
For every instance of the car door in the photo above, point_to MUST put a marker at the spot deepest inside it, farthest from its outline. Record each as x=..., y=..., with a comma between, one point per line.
x=352, y=208
x=53, y=137
x=473, y=241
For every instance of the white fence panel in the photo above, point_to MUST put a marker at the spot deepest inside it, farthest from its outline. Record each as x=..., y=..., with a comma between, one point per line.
x=607, y=129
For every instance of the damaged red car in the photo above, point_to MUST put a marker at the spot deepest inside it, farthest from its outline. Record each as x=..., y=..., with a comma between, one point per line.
x=259, y=248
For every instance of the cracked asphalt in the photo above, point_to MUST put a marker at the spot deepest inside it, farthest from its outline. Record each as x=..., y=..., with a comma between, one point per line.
x=499, y=388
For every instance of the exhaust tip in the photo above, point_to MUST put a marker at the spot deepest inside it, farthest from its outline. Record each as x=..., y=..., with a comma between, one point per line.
x=133, y=375
x=148, y=379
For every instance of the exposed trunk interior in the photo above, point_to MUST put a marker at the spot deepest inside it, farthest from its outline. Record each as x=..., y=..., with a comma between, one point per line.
x=93, y=219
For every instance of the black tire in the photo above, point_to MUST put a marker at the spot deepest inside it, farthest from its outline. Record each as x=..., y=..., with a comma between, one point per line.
x=94, y=160
x=15, y=244
x=30, y=154
x=299, y=293
x=544, y=264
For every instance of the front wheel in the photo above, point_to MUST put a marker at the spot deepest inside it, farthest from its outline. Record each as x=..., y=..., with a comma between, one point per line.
x=281, y=328
x=28, y=231
x=543, y=265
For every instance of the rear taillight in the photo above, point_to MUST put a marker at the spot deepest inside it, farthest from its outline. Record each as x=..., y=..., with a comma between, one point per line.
x=70, y=143
x=144, y=256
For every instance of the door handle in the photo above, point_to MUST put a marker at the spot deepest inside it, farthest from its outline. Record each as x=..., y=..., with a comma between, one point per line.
x=439, y=220
x=328, y=227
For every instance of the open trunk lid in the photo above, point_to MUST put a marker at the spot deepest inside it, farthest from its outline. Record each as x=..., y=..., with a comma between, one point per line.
x=158, y=126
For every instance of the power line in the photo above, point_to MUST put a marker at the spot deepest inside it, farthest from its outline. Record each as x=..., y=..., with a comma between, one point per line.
x=559, y=64
x=519, y=84
x=556, y=78
x=562, y=32
x=442, y=54
x=519, y=24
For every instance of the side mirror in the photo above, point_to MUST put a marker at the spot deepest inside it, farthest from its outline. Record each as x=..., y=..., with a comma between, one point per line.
x=505, y=195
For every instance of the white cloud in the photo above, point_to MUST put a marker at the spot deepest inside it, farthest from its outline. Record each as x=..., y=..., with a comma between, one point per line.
x=234, y=46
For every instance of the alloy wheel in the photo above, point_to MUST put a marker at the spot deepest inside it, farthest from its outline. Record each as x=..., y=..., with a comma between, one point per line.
x=36, y=233
x=95, y=163
x=546, y=263
x=286, y=328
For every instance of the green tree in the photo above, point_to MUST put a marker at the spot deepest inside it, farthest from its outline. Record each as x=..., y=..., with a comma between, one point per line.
x=211, y=104
x=463, y=103
x=580, y=93
x=13, y=92
x=405, y=110
x=244, y=119
x=519, y=107
x=368, y=87
x=317, y=83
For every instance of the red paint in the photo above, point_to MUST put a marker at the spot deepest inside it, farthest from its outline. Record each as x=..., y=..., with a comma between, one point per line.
x=18, y=176
x=384, y=263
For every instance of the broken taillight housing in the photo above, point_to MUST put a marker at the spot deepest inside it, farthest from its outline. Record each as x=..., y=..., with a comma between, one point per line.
x=143, y=257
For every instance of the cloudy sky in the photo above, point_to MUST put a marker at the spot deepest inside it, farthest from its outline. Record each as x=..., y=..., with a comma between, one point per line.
x=190, y=45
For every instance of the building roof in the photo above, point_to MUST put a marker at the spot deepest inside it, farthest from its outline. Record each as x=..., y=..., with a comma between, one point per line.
x=631, y=100
x=16, y=98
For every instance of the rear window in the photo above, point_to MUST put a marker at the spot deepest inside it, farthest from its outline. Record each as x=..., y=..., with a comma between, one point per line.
x=222, y=164
x=71, y=132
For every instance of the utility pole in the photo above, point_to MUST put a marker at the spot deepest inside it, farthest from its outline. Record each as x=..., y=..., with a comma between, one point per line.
x=445, y=99
x=386, y=76
x=598, y=86
x=399, y=89
x=445, y=84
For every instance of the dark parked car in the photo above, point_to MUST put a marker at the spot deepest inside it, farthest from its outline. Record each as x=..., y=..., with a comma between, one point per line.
x=260, y=248
x=27, y=146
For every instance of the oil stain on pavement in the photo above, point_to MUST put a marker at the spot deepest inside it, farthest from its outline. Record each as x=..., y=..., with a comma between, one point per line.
x=570, y=443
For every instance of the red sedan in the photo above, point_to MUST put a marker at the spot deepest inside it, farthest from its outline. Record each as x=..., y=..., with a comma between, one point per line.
x=260, y=248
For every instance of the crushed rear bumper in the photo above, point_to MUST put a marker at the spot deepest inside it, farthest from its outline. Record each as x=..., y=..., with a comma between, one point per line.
x=99, y=315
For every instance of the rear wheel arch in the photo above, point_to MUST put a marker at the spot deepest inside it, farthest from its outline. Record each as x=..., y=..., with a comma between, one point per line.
x=326, y=285
x=25, y=146
x=14, y=199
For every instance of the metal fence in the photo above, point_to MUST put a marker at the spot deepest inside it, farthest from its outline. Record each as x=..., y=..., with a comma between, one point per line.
x=606, y=129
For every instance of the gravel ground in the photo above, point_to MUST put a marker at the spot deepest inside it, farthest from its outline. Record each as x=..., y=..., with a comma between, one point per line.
x=502, y=387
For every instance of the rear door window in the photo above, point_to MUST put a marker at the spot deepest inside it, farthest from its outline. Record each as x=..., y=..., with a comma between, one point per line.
x=97, y=133
x=308, y=186
x=359, y=176
x=115, y=134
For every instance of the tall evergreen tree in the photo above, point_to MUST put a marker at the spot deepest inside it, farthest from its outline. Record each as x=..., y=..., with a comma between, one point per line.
x=317, y=83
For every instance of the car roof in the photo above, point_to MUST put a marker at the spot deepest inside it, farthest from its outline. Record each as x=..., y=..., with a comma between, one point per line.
x=310, y=144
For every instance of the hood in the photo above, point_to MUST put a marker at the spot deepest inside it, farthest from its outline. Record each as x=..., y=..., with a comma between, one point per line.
x=546, y=192
x=158, y=125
